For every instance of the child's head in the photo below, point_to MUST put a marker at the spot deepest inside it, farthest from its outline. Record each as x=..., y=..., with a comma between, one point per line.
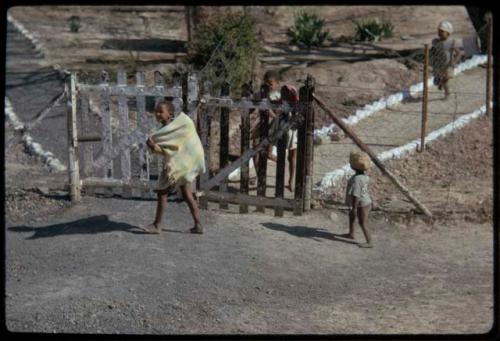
x=271, y=78
x=360, y=162
x=164, y=111
x=445, y=28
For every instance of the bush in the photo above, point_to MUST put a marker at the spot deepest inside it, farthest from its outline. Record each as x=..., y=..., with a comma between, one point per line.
x=234, y=37
x=74, y=23
x=308, y=30
x=373, y=29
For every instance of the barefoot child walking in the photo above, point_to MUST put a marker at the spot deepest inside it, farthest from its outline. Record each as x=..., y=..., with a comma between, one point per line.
x=178, y=142
x=358, y=197
x=445, y=53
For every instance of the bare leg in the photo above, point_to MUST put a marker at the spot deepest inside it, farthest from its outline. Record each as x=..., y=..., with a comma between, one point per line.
x=446, y=89
x=292, y=159
x=270, y=155
x=352, y=219
x=363, y=217
x=161, y=205
x=193, y=208
x=255, y=157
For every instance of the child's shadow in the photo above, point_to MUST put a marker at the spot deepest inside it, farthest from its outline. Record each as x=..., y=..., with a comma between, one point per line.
x=92, y=225
x=308, y=232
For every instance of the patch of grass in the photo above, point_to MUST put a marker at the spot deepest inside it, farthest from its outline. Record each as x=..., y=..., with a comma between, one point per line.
x=349, y=102
x=308, y=31
x=74, y=24
x=373, y=29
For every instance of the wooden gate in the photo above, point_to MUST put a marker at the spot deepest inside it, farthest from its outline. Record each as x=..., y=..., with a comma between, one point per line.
x=107, y=129
x=107, y=151
x=239, y=192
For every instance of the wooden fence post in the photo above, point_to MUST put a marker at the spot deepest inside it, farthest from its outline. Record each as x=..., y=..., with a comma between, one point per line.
x=123, y=121
x=224, y=140
x=142, y=120
x=106, y=131
x=280, y=166
x=307, y=93
x=204, y=124
x=262, y=165
x=489, y=74
x=87, y=148
x=74, y=168
x=159, y=82
x=425, y=95
x=301, y=148
x=192, y=95
x=245, y=145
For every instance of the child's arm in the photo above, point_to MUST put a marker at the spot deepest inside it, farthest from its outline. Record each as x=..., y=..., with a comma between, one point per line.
x=355, y=193
x=354, y=206
x=456, y=55
x=155, y=148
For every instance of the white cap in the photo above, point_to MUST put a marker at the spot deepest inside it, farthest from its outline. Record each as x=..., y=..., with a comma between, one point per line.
x=446, y=26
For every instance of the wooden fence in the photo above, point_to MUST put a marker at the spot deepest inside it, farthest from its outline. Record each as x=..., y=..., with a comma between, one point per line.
x=107, y=151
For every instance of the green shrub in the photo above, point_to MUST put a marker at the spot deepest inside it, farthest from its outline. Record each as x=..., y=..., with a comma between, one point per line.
x=228, y=43
x=373, y=29
x=74, y=23
x=308, y=30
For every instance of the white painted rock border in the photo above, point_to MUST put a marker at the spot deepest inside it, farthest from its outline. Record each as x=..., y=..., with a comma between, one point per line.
x=34, y=148
x=333, y=178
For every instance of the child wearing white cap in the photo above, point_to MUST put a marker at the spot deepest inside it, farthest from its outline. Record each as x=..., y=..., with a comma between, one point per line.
x=444, y=54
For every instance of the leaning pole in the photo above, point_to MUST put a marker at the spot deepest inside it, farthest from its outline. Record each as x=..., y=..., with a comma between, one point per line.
x=374, y=158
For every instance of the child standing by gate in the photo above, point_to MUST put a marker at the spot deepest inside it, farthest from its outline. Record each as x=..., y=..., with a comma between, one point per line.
x=358, y=197
x=178, y=141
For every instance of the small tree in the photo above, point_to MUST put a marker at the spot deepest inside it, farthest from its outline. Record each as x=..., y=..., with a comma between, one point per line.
x=308, y=30
x=227, y=46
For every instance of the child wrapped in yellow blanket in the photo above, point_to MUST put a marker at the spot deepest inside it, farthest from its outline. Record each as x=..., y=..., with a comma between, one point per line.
x=179, y=144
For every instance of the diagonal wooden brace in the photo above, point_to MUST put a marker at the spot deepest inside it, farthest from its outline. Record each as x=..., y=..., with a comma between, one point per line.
x=247, y=155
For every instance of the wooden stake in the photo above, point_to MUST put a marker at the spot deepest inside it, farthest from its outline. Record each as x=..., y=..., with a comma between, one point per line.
x=74, y=168
x=374, y=158
x=424, y=99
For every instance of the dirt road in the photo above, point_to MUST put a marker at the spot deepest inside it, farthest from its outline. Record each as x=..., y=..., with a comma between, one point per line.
x=88, y=269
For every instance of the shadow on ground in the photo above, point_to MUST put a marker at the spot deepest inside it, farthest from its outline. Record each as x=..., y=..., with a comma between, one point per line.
x=92, y=225
x=308, y=232
x=147, y=45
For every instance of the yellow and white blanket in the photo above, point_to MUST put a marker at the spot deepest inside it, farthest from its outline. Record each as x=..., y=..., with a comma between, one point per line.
x=179, y=143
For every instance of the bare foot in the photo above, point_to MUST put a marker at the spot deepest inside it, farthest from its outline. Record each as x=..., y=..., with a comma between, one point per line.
x=150, y=229
x=365, y=245
x=289, y=187
x=347, y=236
x=196, y=229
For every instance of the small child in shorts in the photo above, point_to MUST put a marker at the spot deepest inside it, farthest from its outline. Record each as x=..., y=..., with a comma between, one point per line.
x=358, y=197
